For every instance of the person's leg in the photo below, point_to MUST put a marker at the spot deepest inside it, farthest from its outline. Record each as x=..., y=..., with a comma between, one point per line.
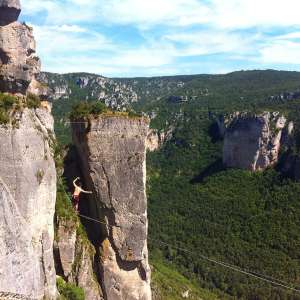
x=77, y=204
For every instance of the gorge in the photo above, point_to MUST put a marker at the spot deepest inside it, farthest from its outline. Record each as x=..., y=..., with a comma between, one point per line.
x=222, y=181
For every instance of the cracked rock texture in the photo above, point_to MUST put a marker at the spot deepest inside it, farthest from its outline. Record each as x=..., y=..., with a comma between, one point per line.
x=76, y=257
x=18, y=61
x=253, y=142
x=112, y=152
x=27, y=204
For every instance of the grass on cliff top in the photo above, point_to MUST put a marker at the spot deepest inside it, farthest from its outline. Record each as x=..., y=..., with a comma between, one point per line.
x=84, y=110
x=10, y=103
x=168, y=284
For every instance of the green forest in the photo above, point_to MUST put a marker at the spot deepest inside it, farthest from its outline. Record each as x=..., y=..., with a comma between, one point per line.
x=197, y=207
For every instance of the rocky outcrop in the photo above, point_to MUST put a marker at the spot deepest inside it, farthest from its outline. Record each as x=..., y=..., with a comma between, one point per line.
x=253, y=142
x=156, y=139
x=9, y=11
x=114, y=94
x=18, y=61
x=76, y=258
x=27, y=204
x=153, y=141
x=112, y=152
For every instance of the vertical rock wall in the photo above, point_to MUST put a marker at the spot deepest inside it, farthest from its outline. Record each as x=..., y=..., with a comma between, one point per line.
x=18, y=61
x=27, y=169
x=75, y=254
x=27, y=204
x=253, y=142
x=112, y=153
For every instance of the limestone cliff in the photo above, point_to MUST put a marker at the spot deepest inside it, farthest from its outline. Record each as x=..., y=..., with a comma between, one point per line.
x=156, y=139
x=27, y=203
x=75, y=257
x=18, y=61
x=112, y=155
x=253, y=141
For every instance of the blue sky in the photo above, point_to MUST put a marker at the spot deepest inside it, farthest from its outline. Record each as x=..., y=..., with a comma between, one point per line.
x=126, y=38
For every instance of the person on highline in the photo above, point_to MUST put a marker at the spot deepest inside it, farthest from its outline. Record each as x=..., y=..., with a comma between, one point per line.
x=77, y=191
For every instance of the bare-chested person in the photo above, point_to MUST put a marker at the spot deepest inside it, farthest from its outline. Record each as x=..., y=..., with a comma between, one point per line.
x=77, y=191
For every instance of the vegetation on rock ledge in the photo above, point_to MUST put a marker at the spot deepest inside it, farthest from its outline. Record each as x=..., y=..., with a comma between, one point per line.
x=83, y=110
x=10, y=104
x=69, y=291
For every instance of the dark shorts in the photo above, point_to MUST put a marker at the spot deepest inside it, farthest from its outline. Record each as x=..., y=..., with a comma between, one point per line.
x=75, y=200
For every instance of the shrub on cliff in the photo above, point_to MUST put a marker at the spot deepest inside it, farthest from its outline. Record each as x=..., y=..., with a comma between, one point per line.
x=84, y=109
x=98, y=108
x=69, y=291
x=7, y=102
x=33, y=101
x=10, y=103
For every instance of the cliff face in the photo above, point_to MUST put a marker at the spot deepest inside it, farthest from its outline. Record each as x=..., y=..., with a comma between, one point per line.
x=156, y=139
x=112, y=152
x=27, y=175
x=113, y=93
x=27, y=203
x=75, y=256
x=18, y=61
x=253, y=142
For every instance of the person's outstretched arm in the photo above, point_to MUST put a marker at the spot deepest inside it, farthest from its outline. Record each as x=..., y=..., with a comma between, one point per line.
x=74, y=182
x=86, y=192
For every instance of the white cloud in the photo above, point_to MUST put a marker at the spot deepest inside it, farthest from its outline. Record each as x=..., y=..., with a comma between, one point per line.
x=289, y=36
x=232, y=14
x=32, y=7
x=240, y=14
x=100, y=65
x=66, y=39
x=71, y=28
x=148, y=13
x=142, y=57
x=211, y=42
x=169, y=31
x=73, y=48
x=281, y=52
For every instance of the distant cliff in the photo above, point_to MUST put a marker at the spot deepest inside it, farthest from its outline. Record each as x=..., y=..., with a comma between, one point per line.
x=113, y=93
x=253, y=141
x=112, y=153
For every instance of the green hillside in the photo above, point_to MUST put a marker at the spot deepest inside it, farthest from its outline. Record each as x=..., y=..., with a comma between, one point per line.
x=237, y=217
x=168, y=284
